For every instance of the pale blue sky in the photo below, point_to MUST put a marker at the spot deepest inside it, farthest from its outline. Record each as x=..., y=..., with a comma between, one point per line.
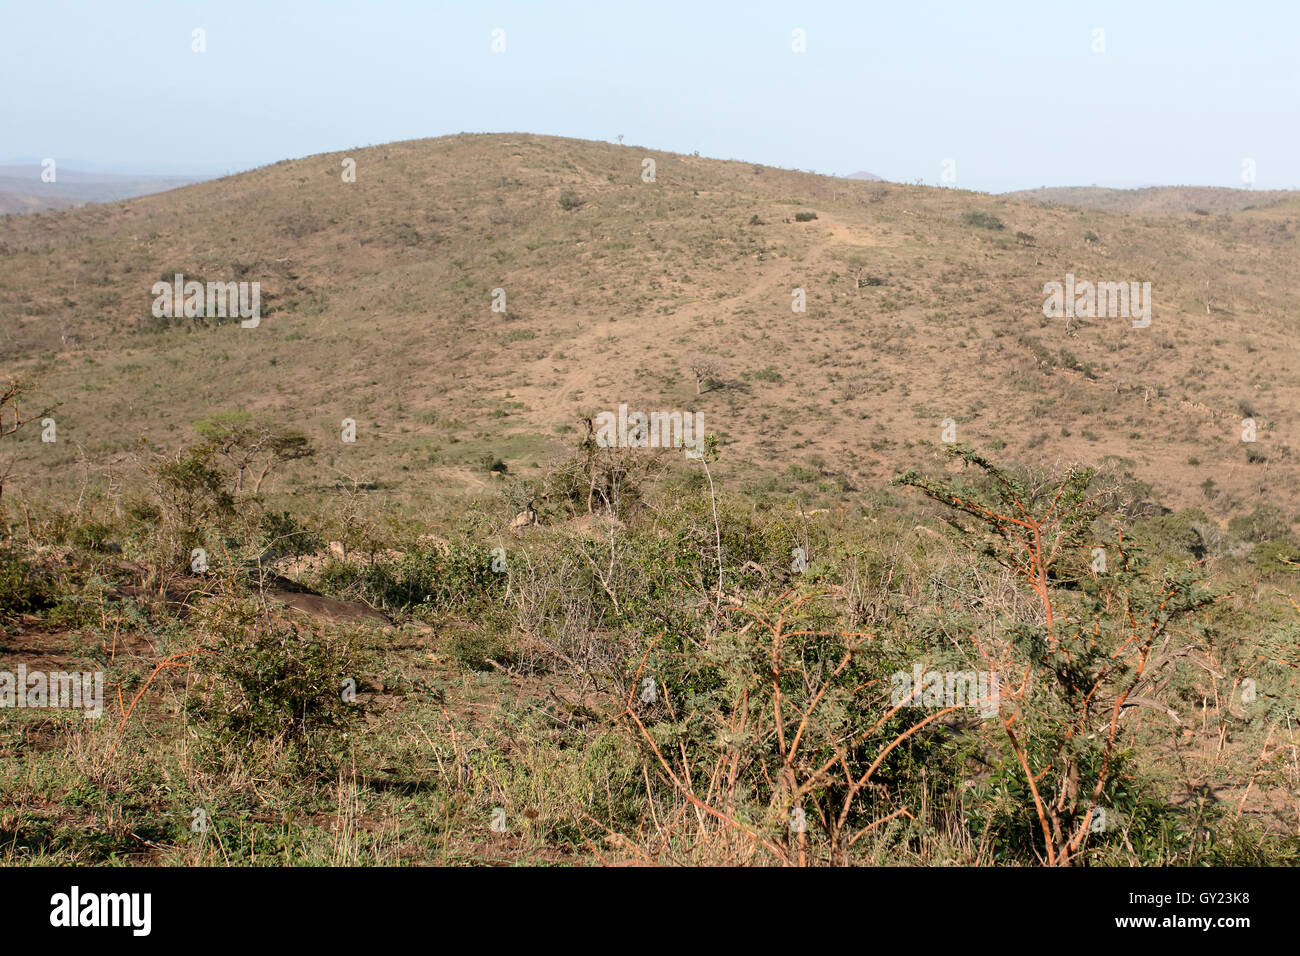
x=1010, y=90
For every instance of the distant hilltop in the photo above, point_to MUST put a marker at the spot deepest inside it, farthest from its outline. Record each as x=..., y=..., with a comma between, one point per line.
x=28, y=187
x=1205, y=200
x=870, y=177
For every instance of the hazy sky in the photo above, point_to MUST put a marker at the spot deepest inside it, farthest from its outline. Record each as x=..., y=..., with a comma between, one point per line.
x=1011, y=91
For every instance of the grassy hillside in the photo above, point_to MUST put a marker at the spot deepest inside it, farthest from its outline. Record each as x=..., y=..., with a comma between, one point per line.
x=1188, y=200
x=475, y=636
x=379, y=294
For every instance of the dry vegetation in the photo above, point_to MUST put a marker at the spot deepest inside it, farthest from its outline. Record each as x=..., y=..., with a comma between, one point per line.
x=473, y=636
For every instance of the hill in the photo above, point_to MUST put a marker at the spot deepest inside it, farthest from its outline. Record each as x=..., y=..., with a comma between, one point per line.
x=923, y=304
x=472, y=635
x=1200, y=200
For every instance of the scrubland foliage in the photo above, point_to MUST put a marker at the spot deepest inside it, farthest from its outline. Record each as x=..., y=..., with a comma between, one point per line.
x=655, y=669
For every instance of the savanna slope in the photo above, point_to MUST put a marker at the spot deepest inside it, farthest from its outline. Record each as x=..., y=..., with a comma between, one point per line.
x=471, y=636
x=378, y=298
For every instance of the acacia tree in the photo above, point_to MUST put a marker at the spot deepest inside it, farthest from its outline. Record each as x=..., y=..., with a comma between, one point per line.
x=857, y=268
x=252, y=445
x=707, y=371
x=1103, y=633
x=190, y=497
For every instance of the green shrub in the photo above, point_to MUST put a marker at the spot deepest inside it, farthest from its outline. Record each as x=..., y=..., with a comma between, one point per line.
x=1265, y=523
x=282, y=533
x=282, y=681
x=776, y=723
x=1178, y=536
x=478, y=648
x=982, y=220
x=431, y=578
x=1088, y=645
x=23, y=588
x=90, y=535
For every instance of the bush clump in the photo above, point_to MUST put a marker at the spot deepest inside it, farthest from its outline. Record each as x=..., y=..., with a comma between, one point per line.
x=982, y=220
x=263, y=680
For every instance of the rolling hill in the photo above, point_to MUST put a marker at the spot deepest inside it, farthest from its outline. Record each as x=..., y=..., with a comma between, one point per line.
x=922, y=304
x=1200, y=200
x=387, y=654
